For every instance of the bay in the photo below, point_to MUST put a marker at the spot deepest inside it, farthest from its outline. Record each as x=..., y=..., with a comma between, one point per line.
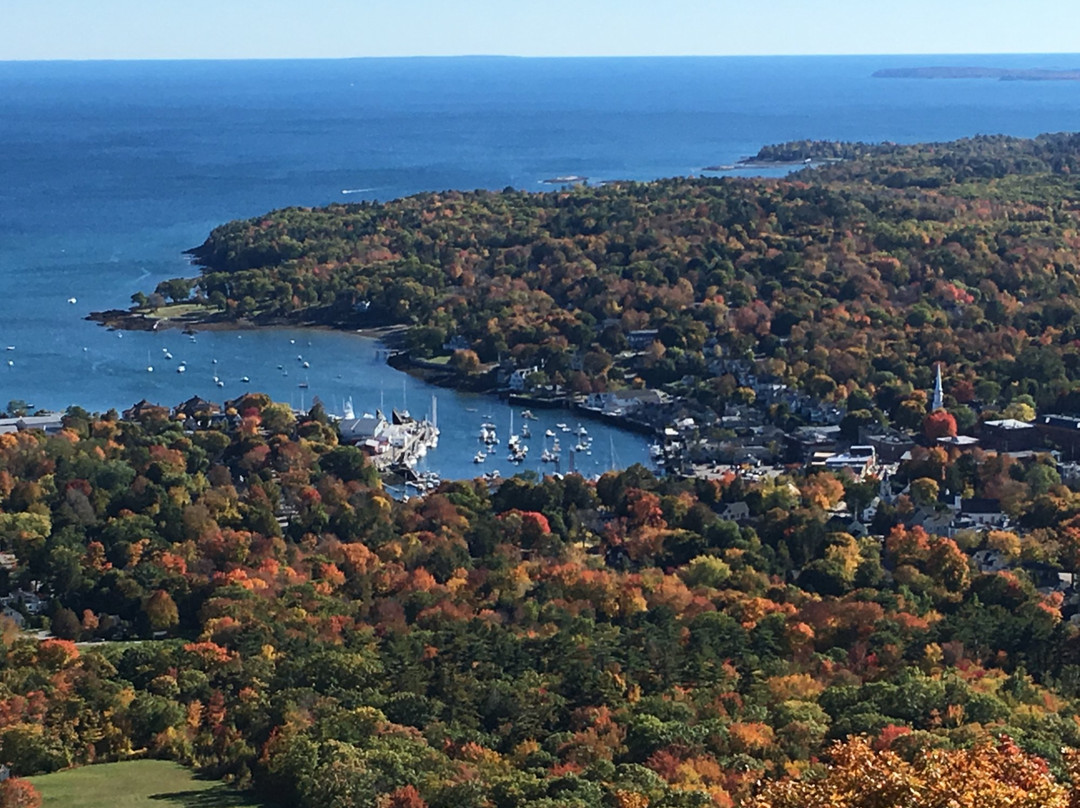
x=109, y=170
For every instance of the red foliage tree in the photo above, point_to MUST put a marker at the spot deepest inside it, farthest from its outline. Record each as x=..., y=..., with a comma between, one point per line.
x=939, y=424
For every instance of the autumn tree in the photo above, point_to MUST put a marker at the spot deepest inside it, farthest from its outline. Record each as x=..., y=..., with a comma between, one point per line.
x=18, y=793
x=991, y=775
x=161, y=611
x=939, y=424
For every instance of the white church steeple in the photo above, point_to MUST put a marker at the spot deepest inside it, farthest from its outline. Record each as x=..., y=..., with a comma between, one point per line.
x=938, y=401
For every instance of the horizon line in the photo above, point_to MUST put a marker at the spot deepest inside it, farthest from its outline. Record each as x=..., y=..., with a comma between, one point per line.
x=509, y=56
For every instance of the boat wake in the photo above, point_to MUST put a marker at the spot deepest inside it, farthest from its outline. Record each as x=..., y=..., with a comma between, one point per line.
x=356, y=190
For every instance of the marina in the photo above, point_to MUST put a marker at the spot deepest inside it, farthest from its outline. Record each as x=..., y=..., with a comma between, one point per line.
x=220, y=365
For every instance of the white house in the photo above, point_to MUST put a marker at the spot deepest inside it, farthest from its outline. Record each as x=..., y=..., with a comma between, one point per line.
x=518, y=377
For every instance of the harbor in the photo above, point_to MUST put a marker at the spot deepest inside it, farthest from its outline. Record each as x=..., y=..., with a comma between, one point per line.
x=112, y=372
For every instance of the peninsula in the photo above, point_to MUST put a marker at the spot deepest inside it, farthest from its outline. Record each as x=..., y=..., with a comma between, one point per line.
x=883, y=259
x=999, y=73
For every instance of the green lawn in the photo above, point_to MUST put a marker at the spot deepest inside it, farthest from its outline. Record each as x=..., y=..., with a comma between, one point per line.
x=136, y=784
x=177, y=310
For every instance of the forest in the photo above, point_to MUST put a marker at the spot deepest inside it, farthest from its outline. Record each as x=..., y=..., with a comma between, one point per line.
x=250, y=601
x=243, y=596
x=849, y=279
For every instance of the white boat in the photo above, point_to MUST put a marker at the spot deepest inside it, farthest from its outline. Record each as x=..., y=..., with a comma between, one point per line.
x=582, y=431
x=546, y=456
x=168, y=355
x=220, y=383
x=563, y=427
x=306, y=365
x=581, y=447
x=72, y=300
x=656, y=451
x=479, y=457
x=181, y=369
x=528, y=415
x=245, y=379
x=550, y=433
x=525, y=433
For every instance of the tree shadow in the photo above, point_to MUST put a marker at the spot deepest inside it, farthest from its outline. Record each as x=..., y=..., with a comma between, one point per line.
x=217, y=797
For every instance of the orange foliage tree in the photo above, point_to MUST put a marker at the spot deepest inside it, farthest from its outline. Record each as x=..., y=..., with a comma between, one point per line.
x=990, y=775
x=16, y=793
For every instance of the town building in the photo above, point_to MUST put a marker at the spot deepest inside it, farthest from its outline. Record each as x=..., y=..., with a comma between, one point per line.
x=1008, y=435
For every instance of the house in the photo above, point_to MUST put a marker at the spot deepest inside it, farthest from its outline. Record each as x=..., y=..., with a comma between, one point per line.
x=457, y=343
x=859, y=460
x=961, y=442
x=984, y=512
x=641, y=339
x=934, y=522
x=518, y=377
x=1061, y=430
x=196, y=406
x=1070, y=473
x=31, y=602
x=1048, y=578
x=803, y=442
x=363, y=430
x=735, y=512
x=144, y=410
x=15, y=617
x=622, y=402
x=50, y=424
x=889, y=444
x=1008, y=435
x=990, y=560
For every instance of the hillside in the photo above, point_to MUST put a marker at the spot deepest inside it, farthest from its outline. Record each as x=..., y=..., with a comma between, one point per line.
x=841, y=279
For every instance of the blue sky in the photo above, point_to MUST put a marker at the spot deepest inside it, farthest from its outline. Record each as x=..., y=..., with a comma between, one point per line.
x=141, y=29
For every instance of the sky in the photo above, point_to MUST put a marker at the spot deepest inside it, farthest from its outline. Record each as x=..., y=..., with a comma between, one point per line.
x=242, y=29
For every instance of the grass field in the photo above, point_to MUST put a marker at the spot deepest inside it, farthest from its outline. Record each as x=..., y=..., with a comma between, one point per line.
x=136, y=784
x=177, y=310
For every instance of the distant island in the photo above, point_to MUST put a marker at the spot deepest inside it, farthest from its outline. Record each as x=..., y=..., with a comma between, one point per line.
x=999, y=73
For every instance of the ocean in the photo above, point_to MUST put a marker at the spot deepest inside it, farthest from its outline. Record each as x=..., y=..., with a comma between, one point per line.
x=110, y=170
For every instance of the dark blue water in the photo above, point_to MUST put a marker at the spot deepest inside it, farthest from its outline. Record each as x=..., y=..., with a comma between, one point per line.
x=109, y=170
